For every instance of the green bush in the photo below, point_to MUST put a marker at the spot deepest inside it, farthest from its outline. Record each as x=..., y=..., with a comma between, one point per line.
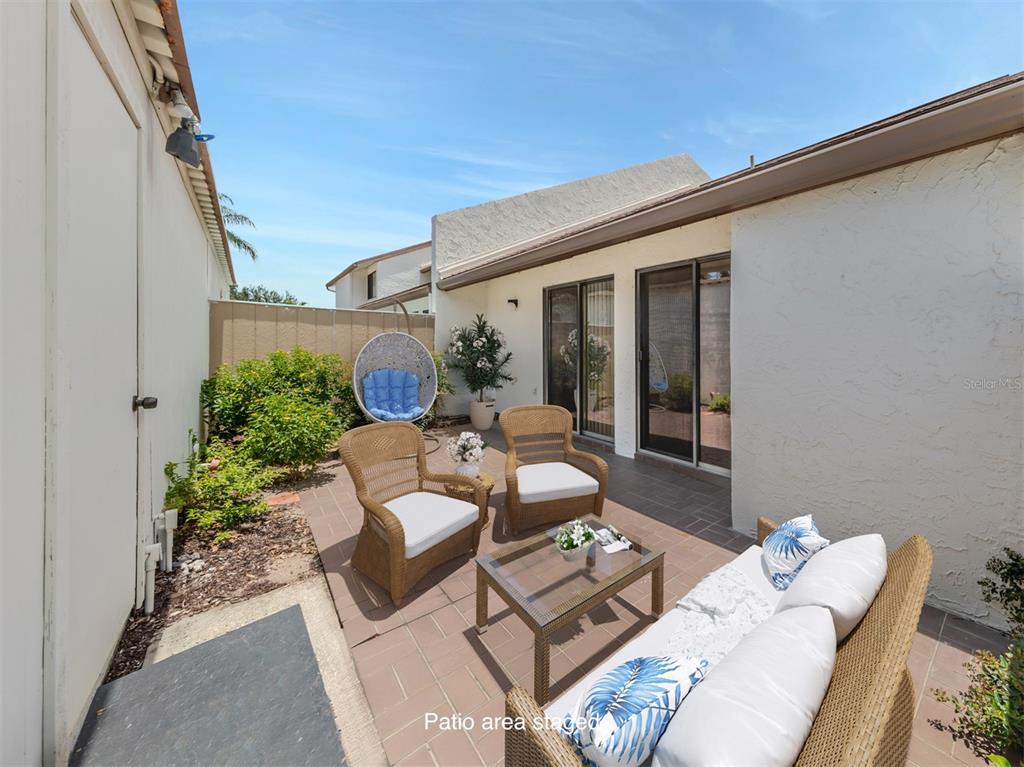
x=679, y=395
x=720, y=403
x=990, y=712
x=232, y=395
x=290, y=431
x=218, y=496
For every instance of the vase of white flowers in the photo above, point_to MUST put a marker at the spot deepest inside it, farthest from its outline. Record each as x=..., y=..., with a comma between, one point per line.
x=573, y=540
x=466, y=452
x=478, y=353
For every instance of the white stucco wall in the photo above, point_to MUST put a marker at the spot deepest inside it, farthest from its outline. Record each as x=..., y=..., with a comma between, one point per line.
x=524, y=327
x=877, y=360
x=89, y=201
x=470, y=234
x=394, y=275
x=22, y=378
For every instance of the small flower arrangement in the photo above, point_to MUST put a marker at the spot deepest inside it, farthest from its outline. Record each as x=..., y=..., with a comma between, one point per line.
x=468, y=447
x=574, y=537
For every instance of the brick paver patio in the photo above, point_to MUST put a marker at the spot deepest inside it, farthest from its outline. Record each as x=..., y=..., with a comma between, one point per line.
x=428, y=658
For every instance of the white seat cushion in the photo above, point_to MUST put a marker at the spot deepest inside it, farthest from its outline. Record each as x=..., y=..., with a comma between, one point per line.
x=429, y=518
x=844, y=578
x=752, y=565
x=652, y=642
x=756, y=707
x=551, y=481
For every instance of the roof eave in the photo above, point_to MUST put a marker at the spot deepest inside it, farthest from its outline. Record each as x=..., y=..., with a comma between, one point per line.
x=923, y=132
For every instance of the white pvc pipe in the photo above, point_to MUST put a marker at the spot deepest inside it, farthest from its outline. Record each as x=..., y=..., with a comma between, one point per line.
x=152, y=557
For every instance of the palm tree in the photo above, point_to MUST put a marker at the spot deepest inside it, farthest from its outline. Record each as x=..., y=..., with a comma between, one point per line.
x=233, y=217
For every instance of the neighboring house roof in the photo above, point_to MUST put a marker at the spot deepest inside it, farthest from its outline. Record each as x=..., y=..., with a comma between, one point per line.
x=374, y=259
x=979, y=113
x=469, y=236
x=159, y=33
x=419, y=291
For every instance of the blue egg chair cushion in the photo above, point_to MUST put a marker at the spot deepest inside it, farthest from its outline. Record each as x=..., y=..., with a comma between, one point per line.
x=392, y=395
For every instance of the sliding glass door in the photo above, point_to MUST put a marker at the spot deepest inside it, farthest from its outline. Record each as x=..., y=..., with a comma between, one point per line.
x=563, y=311
x=684, y=381
x=579, y=361
x=667, y=361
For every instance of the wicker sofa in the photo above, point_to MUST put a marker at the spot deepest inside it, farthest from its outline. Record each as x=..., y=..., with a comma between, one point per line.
x=868, y=710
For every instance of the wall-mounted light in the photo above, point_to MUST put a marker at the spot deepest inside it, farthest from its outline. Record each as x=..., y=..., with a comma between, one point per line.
x=182, y=144
x=514, y=302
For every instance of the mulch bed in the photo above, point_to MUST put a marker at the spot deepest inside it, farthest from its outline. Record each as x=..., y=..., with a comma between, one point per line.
x=230, y=571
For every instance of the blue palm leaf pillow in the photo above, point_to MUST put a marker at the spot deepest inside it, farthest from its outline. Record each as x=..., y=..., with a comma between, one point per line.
x=620, y=719
x=786, y=550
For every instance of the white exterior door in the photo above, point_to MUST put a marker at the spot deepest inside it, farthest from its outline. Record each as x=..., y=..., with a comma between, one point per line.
x=95, y=468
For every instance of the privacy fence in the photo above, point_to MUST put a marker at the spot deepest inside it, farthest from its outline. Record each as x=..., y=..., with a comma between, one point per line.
x=240, y=330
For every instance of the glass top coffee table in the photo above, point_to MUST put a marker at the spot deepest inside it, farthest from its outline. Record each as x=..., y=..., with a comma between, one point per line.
x=549, y=591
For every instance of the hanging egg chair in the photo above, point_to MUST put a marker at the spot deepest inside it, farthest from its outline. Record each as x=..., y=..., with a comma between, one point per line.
x=394, y=378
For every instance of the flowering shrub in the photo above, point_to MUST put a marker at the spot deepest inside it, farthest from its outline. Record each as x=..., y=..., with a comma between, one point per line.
x=468, y=447
x=598, y=352
x=478, y=353
x=574, y=535
x=222, y=487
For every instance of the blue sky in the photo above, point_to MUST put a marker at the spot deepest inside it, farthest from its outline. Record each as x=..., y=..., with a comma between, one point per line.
x=342, y=127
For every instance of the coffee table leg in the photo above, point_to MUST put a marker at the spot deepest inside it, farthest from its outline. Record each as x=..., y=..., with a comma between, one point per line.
x=541, y=669
x=658, y=588
x=481, y=601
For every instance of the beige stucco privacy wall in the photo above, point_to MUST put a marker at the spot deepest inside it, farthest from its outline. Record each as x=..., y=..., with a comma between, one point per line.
x=241, y=330
x=877, y=347
x=106, y=269
x=524, y=326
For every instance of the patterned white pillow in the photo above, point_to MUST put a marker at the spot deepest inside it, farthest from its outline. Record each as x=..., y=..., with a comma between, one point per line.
x=620, y=719
x=786, y=550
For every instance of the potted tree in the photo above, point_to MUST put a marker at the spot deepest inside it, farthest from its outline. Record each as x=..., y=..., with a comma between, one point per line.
x=478, y=353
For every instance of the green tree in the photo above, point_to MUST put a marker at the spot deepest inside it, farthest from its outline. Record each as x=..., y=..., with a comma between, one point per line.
x=264, y=295
x=233, y=218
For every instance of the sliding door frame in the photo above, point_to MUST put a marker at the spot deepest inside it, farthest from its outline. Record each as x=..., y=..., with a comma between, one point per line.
x=642, y=378
x=581, y=330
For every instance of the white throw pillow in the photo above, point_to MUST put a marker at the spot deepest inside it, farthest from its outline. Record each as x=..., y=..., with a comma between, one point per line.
x=788, y=548
x=844, y=578
x=618, y=721
x=756, y=707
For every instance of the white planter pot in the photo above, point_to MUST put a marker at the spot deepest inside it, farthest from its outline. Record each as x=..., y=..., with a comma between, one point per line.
x=481, y=414
x=468, y=469
x=578, y=553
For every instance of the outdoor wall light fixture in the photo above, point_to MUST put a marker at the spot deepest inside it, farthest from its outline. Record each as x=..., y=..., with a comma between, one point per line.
x=514, y=302
x=183, y=142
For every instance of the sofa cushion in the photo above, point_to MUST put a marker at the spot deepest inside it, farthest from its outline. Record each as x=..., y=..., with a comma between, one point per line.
x=551, y=481
x=651, y=642
x=787, y=549
x=429, y=518
x=620, y=718
x=844, y=578
x=758, y=704
x=751, y=564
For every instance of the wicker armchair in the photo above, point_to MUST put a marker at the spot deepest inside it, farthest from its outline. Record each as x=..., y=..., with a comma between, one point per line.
x=868, y=712
x=388, y=465
x=542, y=434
